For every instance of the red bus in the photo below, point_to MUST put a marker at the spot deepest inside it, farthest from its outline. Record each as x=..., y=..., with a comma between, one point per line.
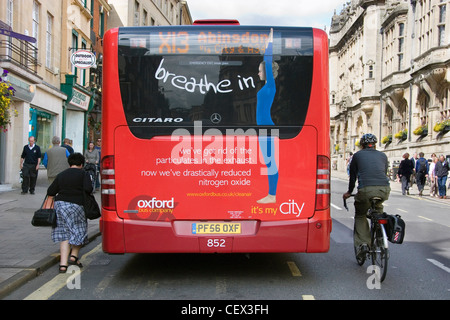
x=215, y=139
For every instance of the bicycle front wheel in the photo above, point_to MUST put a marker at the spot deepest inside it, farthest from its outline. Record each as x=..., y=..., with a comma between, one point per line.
x=380, y=252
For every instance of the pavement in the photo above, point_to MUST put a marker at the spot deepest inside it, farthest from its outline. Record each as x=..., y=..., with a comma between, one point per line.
x=27, y=251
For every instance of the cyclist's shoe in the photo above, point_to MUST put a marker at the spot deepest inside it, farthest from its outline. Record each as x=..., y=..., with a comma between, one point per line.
x=362, y=251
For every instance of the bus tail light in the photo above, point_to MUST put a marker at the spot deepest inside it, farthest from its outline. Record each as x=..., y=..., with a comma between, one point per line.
x=323, y=183
x=108, y=183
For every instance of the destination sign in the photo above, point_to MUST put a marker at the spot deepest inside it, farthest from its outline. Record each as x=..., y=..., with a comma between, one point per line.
x=214, y=42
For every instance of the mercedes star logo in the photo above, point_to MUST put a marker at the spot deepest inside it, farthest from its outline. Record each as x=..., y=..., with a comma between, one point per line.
x=216, y=118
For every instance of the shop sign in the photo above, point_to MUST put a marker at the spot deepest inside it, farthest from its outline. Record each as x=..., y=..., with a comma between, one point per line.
x=83, y=59
x=80, y=99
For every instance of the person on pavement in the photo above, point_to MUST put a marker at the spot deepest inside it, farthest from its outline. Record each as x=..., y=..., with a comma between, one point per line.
x=55, y=159
x=71, y=222
x=29, y=164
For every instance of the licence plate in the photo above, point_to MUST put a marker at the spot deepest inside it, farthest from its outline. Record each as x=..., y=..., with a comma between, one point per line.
x=216, y=228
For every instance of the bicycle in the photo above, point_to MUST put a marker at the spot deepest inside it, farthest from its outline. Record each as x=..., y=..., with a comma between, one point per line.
x=378, y=248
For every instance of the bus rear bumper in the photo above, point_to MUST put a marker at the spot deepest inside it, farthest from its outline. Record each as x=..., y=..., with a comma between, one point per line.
x=134, y=236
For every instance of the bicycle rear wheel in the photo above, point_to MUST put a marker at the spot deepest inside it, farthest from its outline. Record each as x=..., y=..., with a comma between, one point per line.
x=379, y=252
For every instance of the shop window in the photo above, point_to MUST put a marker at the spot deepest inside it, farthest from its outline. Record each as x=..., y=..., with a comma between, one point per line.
x=41, y=127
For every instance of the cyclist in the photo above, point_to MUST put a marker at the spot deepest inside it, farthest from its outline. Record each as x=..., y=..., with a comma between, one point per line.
x=370, y=166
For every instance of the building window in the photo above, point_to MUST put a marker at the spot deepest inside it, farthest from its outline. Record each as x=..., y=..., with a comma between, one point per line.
x=425, y=32
x=371, y=72
x=136, y=14
x=400, y=62
x=441, y=40
x=101, y=27
x=164, y=7
x=441, y=25
x=144, y=17
x=442, y=11
x=41, y=126
x=35, y=27
x=10, y=13
x=48, y=48
x=424, y=103
x=401, y=45
x=74, y=48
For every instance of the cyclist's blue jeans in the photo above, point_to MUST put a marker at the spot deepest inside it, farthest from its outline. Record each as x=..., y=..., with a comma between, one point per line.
x=361, y=233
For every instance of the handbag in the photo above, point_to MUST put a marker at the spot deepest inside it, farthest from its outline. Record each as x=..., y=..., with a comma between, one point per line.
x=46, y=215
x=90, y=205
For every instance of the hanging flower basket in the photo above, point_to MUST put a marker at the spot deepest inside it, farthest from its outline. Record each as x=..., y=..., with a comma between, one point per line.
x=421, y=131
x=387, y=139
x=402, y=135
x=6, y=94
x=443, y=126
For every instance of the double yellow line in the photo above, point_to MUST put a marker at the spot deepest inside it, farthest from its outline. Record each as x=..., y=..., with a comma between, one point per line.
x=58, y=282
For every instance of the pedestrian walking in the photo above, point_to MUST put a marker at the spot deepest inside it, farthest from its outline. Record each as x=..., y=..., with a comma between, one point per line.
x=98, y=147
x=432, y=176
x=405, y=170
x=71, y=222
x=92, y=161
x=66, y=144
x=421, y=172
x=413, y=176
x=91, y=154
x=55, y=159
x=441, y=170
x=29, y=164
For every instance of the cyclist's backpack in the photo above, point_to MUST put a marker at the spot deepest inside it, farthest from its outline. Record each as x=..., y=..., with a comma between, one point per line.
x=395, y=229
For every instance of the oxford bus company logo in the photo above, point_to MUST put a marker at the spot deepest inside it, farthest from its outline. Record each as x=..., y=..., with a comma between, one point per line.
x=154, y=203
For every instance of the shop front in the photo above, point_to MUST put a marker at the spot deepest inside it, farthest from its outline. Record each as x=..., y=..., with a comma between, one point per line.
x=76, y=108
x=25, y=91
x=39, y=110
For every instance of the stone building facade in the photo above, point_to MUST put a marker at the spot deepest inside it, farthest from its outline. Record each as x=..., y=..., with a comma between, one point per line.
x=53, y=97
x=389, y=75
x=37, y=39
x=133, y=13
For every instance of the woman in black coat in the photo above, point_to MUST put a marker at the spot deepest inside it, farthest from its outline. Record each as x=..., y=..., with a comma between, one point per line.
x=71, y=228
x=405, y=171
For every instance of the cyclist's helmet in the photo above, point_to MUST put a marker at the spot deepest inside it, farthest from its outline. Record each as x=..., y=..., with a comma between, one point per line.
x=368, y=141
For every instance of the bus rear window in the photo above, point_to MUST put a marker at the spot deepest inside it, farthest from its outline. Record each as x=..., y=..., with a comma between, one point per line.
x=172, y=89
